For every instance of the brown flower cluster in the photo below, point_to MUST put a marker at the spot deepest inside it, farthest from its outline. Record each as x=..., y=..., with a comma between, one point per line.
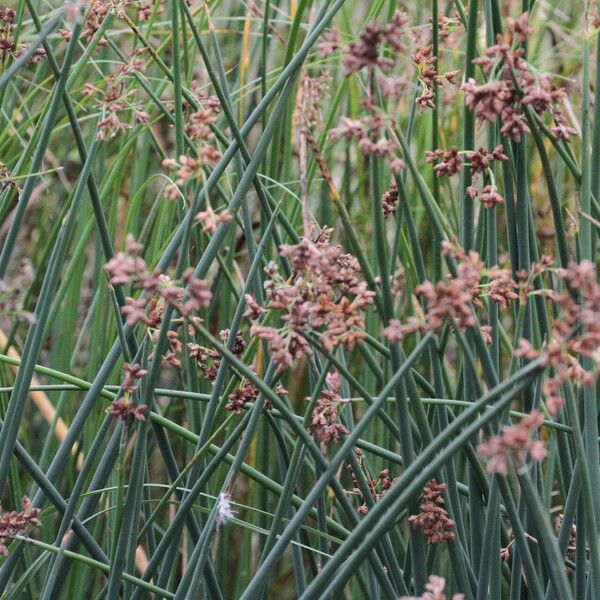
x=520, y=27
x=502, y=287
x=326, y=295
x=575, y=334
x=209, y=362
x=449, y=162
x=389, y=201
x=434, y=590
x=448, y=25
x=238, y=398
x=14, y=523
x=479, y=161
x=145, y=10
x=369, y=132
x=454, y=298
x=433, y=518
x=514, y=442
x=185, y=168
x=329, y=44
x=7, y=16
x=124, y=407
x=496, y=99
x=8, y=46
x=378, y=486
x=246, y=392
x=94, y=19
x=115, y=102
x=133, y=373
x=489, y=196
x=128, y=267
x=189, y=296
x=513, y=86
x=253, y=308
x=324, y=421
x=449, y=299
x=365, y=52
x=425, y=61
x=211, y=220
x=175, y=348
x=199, y=121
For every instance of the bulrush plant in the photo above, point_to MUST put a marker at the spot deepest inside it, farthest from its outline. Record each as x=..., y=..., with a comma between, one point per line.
x=299, y=300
